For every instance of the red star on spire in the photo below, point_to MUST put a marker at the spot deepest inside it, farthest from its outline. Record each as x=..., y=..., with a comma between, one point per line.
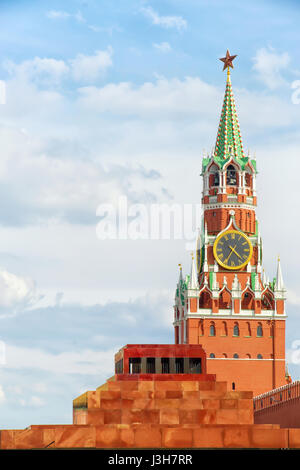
x=228, y=60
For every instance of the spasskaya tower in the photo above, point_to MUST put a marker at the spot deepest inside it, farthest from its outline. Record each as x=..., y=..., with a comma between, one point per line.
x=227, y=304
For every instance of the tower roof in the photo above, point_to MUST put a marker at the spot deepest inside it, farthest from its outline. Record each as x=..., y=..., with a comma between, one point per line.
x=229, y=140
x=229, y=143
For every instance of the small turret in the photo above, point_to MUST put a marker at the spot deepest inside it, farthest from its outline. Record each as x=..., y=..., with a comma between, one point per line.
x=279, y=285
x=193, y=281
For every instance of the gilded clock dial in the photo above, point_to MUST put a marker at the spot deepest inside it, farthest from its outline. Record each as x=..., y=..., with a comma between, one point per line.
x=232, y=249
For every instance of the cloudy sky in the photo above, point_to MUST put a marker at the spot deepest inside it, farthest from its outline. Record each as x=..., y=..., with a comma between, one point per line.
x=106, y=100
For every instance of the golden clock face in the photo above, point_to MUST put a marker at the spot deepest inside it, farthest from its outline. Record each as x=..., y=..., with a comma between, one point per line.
x=232, y=249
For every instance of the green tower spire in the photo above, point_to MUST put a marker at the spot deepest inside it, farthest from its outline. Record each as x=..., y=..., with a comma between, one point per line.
x=229, y=143
x=229, y=140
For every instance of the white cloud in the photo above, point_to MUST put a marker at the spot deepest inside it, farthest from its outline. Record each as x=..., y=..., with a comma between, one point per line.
x=57, y=14
x=163, y=47
x=176, y=22
x=36, y=401
x=89, y=68
x=40, y=387
x=175, y=98
x=79, y=17
x=86, y=362
x=269, y=65
x=15, y=291
x=46, y=71
x=293, y=297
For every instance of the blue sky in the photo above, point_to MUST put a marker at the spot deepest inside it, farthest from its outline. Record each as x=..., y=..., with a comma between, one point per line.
x=105, y=99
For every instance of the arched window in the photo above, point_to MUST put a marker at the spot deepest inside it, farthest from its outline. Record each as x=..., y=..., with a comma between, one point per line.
x=259, y=356
x=267, y=301
x=235, y=356
x=212, y=330
x=231, y=177
x=248, y=300
x=214, y=176
x=236, y=330
x=233, y=386
x=212, y=355
x=259, y=331
x=248, y=329
x=225, y=299
x=205, y=300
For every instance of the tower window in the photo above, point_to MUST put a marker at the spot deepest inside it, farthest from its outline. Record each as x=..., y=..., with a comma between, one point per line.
x=216, y=179
x=236, y=330
x=212, y=330
x=235, y=356
x=259, y=356
x=212, y=355
x=231, y=178
x=259, y=331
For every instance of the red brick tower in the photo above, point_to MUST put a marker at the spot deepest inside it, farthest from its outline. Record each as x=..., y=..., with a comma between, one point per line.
x=227, y=304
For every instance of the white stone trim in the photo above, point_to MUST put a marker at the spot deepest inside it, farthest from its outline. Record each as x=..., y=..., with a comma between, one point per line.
x=223, y=315
x=222, y=205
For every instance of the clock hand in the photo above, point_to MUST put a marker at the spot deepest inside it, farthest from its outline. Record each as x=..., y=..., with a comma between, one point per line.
x=233, y=249
x=226, y=260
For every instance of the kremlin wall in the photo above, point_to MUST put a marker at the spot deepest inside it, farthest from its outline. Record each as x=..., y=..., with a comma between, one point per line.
x=224, y=382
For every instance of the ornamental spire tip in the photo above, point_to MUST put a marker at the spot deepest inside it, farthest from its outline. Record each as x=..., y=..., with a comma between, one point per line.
x=228, y=59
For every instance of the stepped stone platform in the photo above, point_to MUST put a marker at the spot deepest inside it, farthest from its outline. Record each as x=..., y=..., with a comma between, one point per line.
x=185, y=412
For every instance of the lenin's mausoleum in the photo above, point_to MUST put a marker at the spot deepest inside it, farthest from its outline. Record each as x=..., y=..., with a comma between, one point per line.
x=224, y=383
